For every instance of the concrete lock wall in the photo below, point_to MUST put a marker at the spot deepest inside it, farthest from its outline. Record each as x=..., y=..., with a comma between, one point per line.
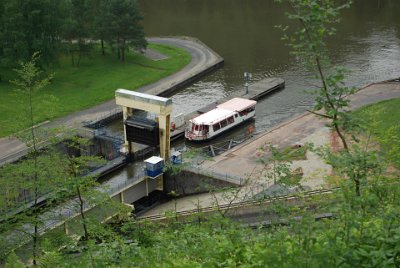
x=187, y=182
x=151, y=184
x=138, y=191
x=134, y=193
x=105, y=148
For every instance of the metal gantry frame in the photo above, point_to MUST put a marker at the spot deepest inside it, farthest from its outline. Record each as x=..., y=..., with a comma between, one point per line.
x=162, y=107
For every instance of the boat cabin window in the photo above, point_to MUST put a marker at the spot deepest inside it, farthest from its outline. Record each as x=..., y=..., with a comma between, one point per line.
x=230, y=120
x=246, y=111
x=216, y=126
x=198, y=127
x=224, y=123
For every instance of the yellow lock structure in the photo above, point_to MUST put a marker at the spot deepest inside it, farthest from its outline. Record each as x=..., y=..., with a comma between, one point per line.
x=162, y=107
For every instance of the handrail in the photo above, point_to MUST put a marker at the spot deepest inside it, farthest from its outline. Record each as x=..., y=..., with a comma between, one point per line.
x=240, y=204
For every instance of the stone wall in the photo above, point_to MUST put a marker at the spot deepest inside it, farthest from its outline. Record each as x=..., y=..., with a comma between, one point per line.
x=188, y=182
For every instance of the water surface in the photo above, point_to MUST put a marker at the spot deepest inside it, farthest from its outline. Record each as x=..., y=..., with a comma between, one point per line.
x=243, y=32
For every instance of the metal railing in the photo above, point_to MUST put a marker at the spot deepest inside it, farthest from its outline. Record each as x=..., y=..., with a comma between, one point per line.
x=105, y=118
x=241, y=204
x=117, y=188
x=214, y=174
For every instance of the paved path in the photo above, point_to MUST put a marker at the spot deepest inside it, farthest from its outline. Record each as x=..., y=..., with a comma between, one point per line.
x=242, y=161
x=203, y=58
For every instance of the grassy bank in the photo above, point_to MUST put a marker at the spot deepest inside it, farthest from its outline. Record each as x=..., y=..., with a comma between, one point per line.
x=382, y=120
x=94, y=82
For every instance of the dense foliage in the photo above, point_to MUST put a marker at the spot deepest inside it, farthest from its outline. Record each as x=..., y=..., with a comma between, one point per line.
x=52, y=26
x=363, y=232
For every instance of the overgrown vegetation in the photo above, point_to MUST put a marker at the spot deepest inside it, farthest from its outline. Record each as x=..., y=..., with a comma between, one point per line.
x=363, y=232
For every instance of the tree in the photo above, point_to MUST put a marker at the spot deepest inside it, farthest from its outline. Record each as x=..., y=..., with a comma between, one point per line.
x=316, y=19
x=23, y=185
x=357, y=165
x=28, y=82
x=124, y=28
x=77, y=166
x=308, y=41
x=29, y=26
x=77, y=28
x=101, y=21
x=2, y=36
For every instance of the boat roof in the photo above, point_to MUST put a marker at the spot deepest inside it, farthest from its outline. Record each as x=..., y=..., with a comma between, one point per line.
x=223, y=110
x=237, y=104
x=212, y=116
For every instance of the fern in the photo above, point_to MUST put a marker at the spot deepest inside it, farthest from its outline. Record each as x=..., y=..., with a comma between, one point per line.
x=50, y=260
x=13, y=261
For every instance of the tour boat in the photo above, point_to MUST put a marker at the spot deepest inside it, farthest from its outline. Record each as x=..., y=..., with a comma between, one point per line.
x=220, y=119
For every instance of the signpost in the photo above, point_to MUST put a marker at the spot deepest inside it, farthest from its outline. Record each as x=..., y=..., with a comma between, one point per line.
x=247, y=77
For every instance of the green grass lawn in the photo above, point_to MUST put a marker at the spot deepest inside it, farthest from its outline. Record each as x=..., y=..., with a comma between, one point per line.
x=294, y=153
x=94, y=82
x=383, y=121
x=385, y=113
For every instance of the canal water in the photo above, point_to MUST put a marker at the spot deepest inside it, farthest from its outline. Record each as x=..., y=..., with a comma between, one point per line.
x=244, y=34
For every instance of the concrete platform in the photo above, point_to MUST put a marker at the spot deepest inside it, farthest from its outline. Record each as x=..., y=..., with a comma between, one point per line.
x=255, y=92
x=263, y=87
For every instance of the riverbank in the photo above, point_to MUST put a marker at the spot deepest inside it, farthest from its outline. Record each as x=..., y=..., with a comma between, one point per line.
x=203, y=60
x=243, y=160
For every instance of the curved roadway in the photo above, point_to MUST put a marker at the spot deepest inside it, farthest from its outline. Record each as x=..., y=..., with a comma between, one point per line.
x=203, y=59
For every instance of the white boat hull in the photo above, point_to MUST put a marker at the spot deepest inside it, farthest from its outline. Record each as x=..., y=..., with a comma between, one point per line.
x=193, y=136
